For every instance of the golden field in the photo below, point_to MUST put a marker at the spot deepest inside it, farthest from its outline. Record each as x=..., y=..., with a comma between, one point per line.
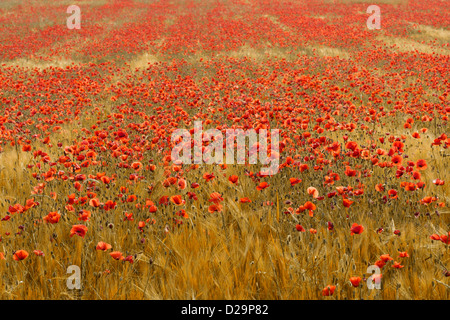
x=85, y=129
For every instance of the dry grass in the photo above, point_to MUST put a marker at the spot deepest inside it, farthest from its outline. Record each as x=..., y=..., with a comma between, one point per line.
x=247, y=251
x=428, y=33
x=408, y=45
x=325, y=51
x=38, y=64
x=247, y=51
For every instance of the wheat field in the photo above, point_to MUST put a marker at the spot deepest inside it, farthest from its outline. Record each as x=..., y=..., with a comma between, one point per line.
x=87, y=178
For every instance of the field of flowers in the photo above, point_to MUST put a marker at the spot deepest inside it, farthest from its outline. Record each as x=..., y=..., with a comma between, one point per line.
x=87, y=179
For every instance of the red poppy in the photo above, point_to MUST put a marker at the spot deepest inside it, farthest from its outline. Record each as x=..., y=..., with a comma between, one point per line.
x=39, y=253
x=438, y=182
x=393, y=194
x=355, y=281
x=356, y=229
x=79, y=230
x=181, y=184
x=177, y=200
x=103, y=246
x=346, y=202
x=208, y=176
x=215, y=208
x=329, y=290
x=20, y=255
x=421, y=164
x=262, y=186
x=94, y=203
x=215, y=197
x=129, y=259
x=116, y=255
x=52, y=217
x=313, y=192
x=84, y=215
x=233, y=179
x=385, y=257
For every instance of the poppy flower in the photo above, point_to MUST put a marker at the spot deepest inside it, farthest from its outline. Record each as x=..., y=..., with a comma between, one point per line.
x=192, y=196
x=355, y=281
x=262, y=186
x=128, y=216
x=438, y=182
x=181, y=184
x=215, y=208
x=177, y=200
x=39, y=253
x=94, y=203
x=313, y=192
x=330, y=226
x=208, y=176
x=84, y=215
x=328, y=291
x=294, y=181
x=380, y=264
x=182, y=213
x=356, y=229
x=346, y=202
x=103, y=246
x=20, y=255
x=136, y=166
x=233, y=179
x=385, y=257
x=116, y=255
x=403, y=254
x=129, y=259
x=52, y=217
x=300, y=228
x=164, y=200
x=215, y=197
x=245, y=200
x=397, y=265
x=397, y=160
x=393, y=194
x=421, y=164
x=309, y=206
x=79, y=230
x=435, y=236
x=444, y=238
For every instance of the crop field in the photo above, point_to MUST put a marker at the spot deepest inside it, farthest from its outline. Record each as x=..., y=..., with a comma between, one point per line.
x=94, y=204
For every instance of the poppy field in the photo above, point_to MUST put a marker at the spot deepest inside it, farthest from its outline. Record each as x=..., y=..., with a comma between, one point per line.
x=92, y=205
